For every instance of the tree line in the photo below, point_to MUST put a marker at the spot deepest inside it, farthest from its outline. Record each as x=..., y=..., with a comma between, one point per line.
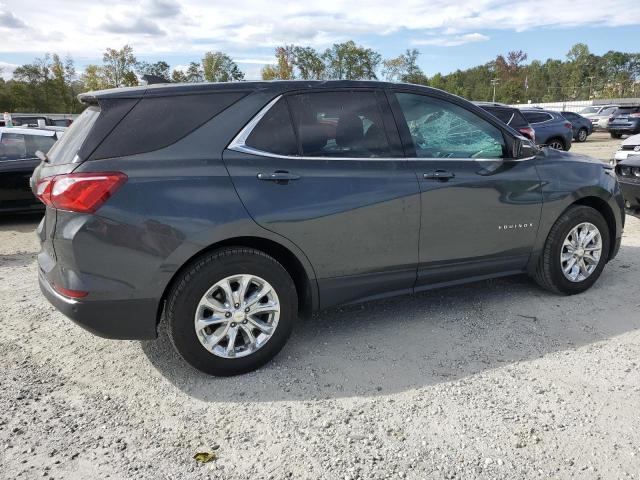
x=51, y=83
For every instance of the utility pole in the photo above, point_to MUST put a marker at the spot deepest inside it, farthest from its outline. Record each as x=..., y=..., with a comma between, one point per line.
x=590, y=86
x=494, y=82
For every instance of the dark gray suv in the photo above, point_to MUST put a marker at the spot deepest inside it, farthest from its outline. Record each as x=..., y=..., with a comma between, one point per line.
x=231, y=209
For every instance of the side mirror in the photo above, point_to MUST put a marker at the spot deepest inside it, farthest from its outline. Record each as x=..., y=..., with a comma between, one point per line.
x=523, y=148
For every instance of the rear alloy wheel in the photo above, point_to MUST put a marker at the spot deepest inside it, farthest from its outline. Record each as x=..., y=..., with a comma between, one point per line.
x=231, y=311
x=582, y=135
x=556, y=144
x=575, y=252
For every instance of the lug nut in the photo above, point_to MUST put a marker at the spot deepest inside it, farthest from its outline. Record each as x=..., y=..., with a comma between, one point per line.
x=228, y=314
x=233, y=324
x=244, y=322
x=246, y=310
x=236, y=305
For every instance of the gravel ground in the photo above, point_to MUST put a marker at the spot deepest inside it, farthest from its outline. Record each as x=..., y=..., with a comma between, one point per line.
x=493, y=380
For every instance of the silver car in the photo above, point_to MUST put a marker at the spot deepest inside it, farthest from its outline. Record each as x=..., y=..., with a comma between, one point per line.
x=599, y=115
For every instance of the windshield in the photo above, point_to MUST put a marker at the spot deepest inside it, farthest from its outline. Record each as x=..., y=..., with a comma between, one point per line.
x=65, y=149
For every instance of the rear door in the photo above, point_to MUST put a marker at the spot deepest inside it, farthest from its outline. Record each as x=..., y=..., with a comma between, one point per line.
x=17, y=162
x=325, y=170
x=480, y=208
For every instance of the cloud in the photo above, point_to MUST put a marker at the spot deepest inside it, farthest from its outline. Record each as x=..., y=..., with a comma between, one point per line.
x=162, y=8
x=9, y=20
x=140, y=26
x=451, y=41
x=6, y=70
x=252, y=27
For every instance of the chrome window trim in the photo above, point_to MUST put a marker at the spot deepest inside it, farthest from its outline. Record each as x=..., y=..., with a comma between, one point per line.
x=238, y=144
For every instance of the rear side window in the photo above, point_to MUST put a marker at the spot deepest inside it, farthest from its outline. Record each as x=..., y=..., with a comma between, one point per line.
x=12, y=147
x=339, y=124
x=570, y=116
x=67, y=147
x=38, y=142
x=510, y=116
x=537, y=117
x=274, y=132
x=157, y=122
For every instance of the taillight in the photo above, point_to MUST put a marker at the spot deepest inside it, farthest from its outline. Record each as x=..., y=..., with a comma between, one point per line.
x=79, y=192
x=567, y=125
x=528, y=132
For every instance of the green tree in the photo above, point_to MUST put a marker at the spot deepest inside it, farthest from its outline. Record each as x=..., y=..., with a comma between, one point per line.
x=194, y=73
x=158, y=69
x=404, y=68
x=118, y=67
x=219, y=67
x=349, y=61
x=178, y=76
x=284, y=67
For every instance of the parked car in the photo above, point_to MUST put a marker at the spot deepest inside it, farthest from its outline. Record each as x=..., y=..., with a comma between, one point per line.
x=552, y=129
x=246, y=208
x=581, y=126
x=629, y=147
x=511, y=116
x=625, y=121
x=628, y=172
x=18, y=159
x=599, y=115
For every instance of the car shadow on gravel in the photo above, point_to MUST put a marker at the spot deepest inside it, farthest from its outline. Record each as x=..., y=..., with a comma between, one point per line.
x=23, y=223
x=408, y=342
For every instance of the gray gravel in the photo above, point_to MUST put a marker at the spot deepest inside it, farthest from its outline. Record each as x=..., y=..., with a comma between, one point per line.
x=494, y=380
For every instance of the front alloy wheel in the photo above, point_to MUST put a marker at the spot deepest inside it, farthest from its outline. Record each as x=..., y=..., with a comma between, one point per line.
x=581, y=251
x=575, y=251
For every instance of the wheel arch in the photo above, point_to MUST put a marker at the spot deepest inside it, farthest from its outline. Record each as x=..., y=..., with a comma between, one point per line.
x=305, y=283
x=605, y=210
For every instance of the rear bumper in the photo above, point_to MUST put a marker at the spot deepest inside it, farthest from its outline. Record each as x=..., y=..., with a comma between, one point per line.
x=116, y=319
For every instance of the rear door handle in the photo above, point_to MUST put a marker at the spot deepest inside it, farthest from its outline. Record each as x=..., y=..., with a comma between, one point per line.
x=441, y=175
x=279, y=176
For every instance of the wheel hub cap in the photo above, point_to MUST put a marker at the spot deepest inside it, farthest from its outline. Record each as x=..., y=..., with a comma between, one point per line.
x=581, y=252
x=237, y=316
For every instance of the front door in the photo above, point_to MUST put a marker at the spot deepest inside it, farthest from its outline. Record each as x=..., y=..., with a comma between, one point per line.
x=324, y=169
x=479, y=209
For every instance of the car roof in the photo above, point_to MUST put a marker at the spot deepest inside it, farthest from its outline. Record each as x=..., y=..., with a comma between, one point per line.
x=172, y=89
x=28, y=131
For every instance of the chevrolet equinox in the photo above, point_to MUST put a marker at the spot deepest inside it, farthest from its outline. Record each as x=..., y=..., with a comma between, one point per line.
x=231, y=209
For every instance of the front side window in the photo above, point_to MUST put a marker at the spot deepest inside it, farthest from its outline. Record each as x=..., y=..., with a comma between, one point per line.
x=339, y=124
x=440, y=129
x=12, y=147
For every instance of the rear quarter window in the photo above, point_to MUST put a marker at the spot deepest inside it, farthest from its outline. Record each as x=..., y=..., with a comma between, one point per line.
x=157, y=122
x=65, y=149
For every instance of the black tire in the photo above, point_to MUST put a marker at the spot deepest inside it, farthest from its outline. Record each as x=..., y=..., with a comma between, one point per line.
x=582, y=135
x=205, y=272
x=616, y=135
x=549, y=273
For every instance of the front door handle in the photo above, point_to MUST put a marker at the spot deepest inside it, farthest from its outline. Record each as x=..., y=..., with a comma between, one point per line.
x=279, y=176
x=441, y=175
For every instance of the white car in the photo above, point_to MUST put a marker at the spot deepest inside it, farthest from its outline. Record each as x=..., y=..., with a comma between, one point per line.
x=630, y=147
x=599, y=115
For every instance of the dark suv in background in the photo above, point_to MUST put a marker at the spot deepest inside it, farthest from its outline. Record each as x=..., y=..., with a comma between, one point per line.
x=510, y=116
x=625, y=121
x=581, y=126
x=552, y=129
x=231, y=209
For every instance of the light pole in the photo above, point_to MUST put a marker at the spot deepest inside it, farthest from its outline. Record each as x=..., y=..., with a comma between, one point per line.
x=494, y=82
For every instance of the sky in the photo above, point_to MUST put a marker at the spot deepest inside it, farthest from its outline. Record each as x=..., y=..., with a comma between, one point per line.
x=449, y=35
